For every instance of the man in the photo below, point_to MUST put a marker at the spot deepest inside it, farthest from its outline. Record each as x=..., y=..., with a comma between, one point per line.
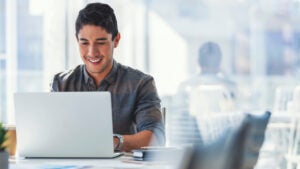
x=209, y=61
x=210, y=90
x=135, y=103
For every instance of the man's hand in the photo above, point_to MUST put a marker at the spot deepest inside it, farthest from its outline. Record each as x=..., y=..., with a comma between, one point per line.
x=116, y=142
x=138, y=140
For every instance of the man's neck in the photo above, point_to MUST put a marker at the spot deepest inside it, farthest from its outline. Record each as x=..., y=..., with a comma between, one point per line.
x=98, y=77
x=209, y=70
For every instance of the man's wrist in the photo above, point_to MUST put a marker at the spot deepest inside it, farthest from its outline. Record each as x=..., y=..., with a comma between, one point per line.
x=121, y=141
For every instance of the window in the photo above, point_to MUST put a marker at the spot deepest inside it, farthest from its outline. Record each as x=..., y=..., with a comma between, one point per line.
x=255, y=41
x=2, y=59
x=259, y=40
x=26, y=53
x=2, y=27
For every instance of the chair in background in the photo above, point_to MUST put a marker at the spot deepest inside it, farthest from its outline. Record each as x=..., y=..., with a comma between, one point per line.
x=238, y=148
x=182, y=129
x=278, y=130
x=283, y=96
x=295, y=106
x=208, y=99
x=293, y=154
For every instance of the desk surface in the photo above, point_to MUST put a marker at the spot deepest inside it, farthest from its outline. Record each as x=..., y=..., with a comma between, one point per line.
x=123, y=162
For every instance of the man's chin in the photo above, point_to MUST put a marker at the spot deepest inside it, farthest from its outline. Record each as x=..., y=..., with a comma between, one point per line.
x=95, y=71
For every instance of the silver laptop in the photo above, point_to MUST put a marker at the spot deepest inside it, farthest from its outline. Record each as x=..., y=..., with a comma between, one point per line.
x=64, y=125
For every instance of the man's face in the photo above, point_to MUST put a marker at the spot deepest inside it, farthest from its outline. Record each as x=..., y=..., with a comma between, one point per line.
x=96, y=49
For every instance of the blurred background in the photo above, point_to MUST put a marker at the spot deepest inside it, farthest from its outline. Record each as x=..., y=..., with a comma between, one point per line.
x=259, y=40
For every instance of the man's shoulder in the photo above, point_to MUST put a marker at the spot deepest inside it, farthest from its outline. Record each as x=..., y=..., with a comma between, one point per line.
x=67, y=74
x=130, y=72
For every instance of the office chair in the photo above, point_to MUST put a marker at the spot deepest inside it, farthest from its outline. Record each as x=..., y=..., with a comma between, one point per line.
x=293, y=155
x=283, y=95
x=209, y=99
x=237, y=148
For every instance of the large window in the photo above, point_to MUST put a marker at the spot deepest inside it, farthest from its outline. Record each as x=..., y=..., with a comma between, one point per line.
x=30, y=46
x=282, y=51
x=259, y=40
x=2, y=58
x=2, y=26
x=25, y=50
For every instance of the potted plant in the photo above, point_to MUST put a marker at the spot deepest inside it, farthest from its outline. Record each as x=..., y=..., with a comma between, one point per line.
x=4, y=156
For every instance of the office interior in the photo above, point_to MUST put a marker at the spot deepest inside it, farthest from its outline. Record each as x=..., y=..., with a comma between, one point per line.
x=259, y=40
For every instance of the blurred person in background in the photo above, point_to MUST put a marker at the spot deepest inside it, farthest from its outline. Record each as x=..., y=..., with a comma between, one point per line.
x=206, y=92
x=210, y=81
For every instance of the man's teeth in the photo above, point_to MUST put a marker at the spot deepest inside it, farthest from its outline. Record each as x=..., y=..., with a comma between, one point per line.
x=94, y=60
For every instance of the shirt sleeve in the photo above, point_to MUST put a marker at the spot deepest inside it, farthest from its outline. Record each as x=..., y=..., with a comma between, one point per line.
x=54, y=84
x=148, y=114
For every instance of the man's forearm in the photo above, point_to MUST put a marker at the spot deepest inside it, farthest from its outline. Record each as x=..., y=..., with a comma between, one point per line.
x=135, y=141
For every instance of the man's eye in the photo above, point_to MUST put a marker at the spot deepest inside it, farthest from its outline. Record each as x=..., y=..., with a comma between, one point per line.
x=101, y=43
x=84, y=43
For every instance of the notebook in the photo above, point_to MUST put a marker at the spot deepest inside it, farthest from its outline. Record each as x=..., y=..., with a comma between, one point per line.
x=64, y=125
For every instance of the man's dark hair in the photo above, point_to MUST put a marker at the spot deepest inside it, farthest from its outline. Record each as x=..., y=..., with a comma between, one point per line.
x=97, y=14
x=210, y=55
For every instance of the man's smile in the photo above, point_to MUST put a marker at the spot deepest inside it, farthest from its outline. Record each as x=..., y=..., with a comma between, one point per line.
x=93, y=59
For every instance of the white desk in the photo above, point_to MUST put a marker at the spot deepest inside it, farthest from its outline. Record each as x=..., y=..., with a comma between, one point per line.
x=123, y=162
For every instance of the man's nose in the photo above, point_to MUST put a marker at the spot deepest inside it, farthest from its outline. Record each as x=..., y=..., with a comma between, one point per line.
x=93, y=51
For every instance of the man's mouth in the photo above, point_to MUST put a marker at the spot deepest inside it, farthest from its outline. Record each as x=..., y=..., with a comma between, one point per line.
x=94, y=60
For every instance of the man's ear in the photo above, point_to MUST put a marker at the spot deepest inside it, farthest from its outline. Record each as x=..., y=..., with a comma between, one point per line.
x=117, y=39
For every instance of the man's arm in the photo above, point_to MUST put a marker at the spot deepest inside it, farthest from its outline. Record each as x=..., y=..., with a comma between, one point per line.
x=54, y=84
x=135, y=141
x=147, y=117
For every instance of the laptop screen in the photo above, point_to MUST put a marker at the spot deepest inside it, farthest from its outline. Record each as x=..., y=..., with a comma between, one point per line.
x=64, y=124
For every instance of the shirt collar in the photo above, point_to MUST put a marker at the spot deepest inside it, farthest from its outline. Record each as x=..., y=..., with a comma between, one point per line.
x=112, y=75
x=110, y=78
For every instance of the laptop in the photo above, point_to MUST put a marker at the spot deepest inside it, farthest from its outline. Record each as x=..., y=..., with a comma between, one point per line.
x=64, y=125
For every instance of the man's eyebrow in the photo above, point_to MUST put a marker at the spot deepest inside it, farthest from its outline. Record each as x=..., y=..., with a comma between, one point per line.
x=101, y=39
x=98, y=39
x=83, y=39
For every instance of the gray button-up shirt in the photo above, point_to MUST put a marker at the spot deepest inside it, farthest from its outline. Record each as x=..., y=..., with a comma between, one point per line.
x=135, y=102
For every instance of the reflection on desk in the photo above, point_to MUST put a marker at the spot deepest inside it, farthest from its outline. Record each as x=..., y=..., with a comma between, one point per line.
x=123, y=162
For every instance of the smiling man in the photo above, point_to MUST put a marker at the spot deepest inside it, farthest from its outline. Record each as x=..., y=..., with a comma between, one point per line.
x=136, y=112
